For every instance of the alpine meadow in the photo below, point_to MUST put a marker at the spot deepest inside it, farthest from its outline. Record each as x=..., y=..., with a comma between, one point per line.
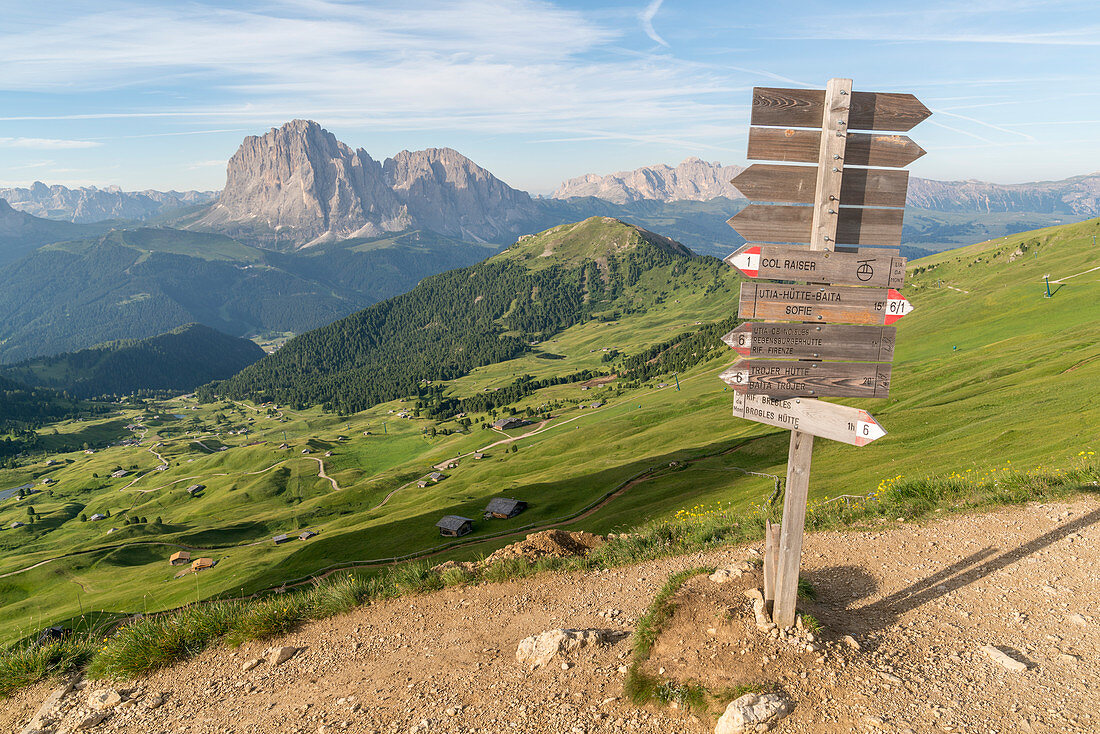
x=548, y=367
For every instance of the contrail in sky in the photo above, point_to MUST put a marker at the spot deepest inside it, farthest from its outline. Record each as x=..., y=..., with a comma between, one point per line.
x=646, y=16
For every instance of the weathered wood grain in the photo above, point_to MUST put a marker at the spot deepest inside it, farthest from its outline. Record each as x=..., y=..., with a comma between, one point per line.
x=771, y=553
x=824, y=304
x=790, y=534
x=785, y=223
x=827, y=420
x=802, y=146
x=794, y=262
x=793, y=378
x=778, y=106
x=813, y=341
x=796, y=185
x=830, y=165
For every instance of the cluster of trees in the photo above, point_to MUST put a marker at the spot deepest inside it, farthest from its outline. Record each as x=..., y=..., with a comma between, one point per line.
x=24, y=409
x=180, y=359
x=679, y=353
x=445, y=327
x=132, y=284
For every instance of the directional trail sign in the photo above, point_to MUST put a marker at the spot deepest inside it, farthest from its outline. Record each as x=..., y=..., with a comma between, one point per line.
x=797, y=185
x=813, y=341
x=827, y=304
x=809, y=379
x=843, y=343
x=802, y=146
x=828, y=420
x=784, y=223
x=787, y=262
x=806, y=107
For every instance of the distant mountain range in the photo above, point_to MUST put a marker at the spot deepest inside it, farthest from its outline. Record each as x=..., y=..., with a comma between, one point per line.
x=90, y=204
x=297, y=186
x=308, y=230
x=22, y=233
x=179, y=360
x=699, y=180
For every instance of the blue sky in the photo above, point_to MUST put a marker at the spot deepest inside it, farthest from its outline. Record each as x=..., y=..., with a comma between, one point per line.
x=159, y=94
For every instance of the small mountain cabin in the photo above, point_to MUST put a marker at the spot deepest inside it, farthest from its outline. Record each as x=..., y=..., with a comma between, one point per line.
x=180, y=558
x=505, y=424
x=503, y=508
x=200, y=564
x=279, y=539
x=454, y=526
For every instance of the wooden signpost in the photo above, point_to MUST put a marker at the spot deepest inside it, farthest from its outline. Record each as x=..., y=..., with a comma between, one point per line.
x=803, y=378
x=822, y=303
x=882, y=268
x=813, y=341
x=828, y=420
x=843, y=299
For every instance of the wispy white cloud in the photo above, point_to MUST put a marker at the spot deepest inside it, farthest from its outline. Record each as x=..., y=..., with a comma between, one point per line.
x=47, y=143
x=646, y=17
x=490, y=66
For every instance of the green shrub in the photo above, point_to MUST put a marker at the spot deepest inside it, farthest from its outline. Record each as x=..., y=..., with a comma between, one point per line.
x=28, y=663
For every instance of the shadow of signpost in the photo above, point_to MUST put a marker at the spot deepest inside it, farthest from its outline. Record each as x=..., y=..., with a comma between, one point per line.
x=844, y=586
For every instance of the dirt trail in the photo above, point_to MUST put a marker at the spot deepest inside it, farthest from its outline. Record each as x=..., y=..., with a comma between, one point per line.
x=921, y=600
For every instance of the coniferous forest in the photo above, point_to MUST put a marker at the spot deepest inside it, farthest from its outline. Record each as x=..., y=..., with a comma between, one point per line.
x=452, y=323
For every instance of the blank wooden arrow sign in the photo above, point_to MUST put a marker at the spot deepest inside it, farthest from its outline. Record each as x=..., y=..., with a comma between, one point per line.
x=814, y=341
x=796, y=185
x=827, y=420
x=803, y=146
x=791, y=262
x=782, y=223
x=827, y=304
x=788, y=378
x=806, y=108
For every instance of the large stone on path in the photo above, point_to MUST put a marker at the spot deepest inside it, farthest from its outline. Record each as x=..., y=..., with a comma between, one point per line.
x=538, y=650
x=752, y=712
x=280, y=655
x=104, y=699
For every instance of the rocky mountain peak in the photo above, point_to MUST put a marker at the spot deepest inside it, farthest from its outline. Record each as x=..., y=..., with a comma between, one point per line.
x=447, y=192
x=297, y=185
x=693, y=179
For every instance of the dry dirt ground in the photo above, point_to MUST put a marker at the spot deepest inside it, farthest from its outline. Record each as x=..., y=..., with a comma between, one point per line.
x=920, y=600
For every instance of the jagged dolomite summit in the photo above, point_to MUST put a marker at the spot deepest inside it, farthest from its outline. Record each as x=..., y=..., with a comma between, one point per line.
x=298, y=185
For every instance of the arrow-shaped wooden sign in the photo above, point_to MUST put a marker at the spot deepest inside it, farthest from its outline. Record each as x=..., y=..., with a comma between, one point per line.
x=813, y=341
x=861, y=149
x=827, y=304
x=827, y=420
x=806, y=108
x=781, y=223
x=785, y=378
x=790, y=262
x=797, y=184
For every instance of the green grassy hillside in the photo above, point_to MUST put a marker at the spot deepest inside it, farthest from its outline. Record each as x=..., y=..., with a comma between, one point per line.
x=488, y=313
x=989, y=375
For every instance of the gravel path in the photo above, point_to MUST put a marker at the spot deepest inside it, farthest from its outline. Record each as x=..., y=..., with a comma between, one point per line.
x=921, y=601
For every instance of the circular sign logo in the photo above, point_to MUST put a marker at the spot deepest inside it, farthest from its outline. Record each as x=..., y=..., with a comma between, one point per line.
x=865, y=272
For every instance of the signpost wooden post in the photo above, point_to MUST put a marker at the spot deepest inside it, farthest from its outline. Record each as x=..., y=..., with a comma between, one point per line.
x=847, y=298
